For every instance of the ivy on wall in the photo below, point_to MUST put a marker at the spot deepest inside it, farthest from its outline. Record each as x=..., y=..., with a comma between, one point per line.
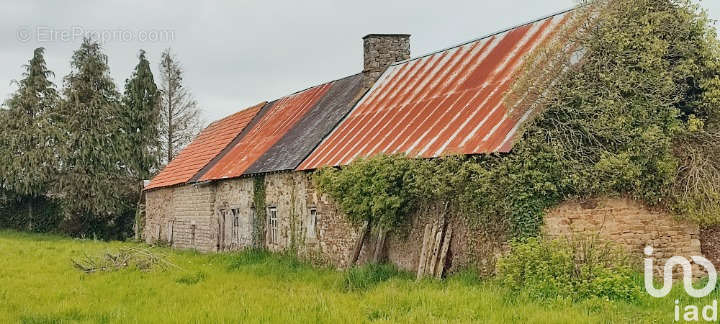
x=624, y=101
x=260, y=211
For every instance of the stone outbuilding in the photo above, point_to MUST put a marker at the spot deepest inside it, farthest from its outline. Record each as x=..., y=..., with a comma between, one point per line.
x=246, y=180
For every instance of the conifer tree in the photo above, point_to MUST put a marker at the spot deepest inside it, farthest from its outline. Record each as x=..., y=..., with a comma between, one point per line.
x=95, y=185
x=27, y=157
x=141, y=118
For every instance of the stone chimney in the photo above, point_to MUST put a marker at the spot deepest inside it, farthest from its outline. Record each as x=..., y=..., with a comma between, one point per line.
x=381, y=50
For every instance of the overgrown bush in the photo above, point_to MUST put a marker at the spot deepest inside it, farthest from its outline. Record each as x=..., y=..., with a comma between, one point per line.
x=641, y=76
x=38, y=214
x=380, y=190
x=624, y=100
x=574, y=269
x=365, y=277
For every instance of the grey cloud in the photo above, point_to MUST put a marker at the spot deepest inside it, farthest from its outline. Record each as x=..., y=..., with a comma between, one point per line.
x=238, y=53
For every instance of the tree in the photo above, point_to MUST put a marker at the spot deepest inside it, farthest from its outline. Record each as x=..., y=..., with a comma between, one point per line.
x=141, y=116
x=27, y=158
x=179, y=114
x=95, y=186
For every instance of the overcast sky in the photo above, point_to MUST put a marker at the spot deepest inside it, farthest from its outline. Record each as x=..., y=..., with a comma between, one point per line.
x=238, y=53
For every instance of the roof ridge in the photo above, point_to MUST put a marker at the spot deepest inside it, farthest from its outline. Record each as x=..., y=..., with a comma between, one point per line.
x=315, y=86
x=490, y=35
x=235, y=113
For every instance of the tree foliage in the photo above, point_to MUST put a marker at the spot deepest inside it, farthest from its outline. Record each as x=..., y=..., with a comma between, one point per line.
x=28, y=139
x=94, y=183
x=179, y=113
x=29, y=135
x=141, y=115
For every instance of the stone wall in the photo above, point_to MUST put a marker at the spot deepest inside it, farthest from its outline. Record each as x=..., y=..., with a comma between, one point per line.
x=294, y=197
x=182, y=216
x=710, y=244
x=158, y=212
x=469, y=247
x=381, y=50
x=627, y=223
x=192, y=217
x=235, y=198
x=281, y=194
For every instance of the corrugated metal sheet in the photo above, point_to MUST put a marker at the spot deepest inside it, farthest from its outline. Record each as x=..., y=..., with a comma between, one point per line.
x=302, y=138
x=279, y=118
x=209, y=143
x=449, y=102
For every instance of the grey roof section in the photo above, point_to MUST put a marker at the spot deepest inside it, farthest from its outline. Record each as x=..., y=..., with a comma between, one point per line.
x=297, y=144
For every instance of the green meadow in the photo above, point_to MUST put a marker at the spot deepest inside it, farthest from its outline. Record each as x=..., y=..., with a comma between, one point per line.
x=39, y=284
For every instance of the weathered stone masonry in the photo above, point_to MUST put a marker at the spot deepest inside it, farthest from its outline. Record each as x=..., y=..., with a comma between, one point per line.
x=381, y=50
x=190, y=217
x=627, y=223
x=182, y=216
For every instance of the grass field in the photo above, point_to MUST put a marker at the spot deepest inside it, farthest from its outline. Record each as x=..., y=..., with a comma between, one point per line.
x=38, y=284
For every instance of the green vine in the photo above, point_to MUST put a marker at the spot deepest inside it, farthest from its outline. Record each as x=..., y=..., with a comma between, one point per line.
x=379, y=190
x=636, y=113
x=260, y=211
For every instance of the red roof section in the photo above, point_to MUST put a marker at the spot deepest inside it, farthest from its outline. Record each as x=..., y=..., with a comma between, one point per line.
x=275, y=123
x=209, y=143
x=449, y=102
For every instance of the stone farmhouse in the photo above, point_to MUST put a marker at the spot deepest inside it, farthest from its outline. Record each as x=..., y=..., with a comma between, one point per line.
x=446, y=102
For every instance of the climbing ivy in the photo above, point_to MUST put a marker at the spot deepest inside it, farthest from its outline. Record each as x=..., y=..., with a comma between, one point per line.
x=379, y=190
x=624, y=101
x=260, y=211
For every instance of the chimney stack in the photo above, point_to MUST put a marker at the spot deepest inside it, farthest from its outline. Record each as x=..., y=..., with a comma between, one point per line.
x=380, y=51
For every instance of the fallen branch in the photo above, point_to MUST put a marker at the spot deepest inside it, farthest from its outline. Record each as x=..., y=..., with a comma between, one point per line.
x=140, y=259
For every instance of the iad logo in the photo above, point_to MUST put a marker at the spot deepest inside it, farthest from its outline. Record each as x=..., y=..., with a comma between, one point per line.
x=687, y=275
x=690, y=312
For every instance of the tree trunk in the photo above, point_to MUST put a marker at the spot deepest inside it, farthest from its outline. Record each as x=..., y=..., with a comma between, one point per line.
x=30, y=215
x=359, y=244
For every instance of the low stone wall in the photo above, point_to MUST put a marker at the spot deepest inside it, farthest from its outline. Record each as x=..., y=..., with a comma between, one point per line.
x=627, y=223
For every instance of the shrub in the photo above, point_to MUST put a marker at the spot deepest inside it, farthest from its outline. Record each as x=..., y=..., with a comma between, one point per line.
x=379, y=190
x=367, y=276
x=574, y=269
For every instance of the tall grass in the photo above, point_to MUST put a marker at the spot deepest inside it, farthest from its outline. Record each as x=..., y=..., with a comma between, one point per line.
x=39, y=285
x=365, y=277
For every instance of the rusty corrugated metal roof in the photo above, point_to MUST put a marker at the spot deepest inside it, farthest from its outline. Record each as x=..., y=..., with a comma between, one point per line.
x=274, y=122
x=448, y=102
x=209, y=143
x=302, y=138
